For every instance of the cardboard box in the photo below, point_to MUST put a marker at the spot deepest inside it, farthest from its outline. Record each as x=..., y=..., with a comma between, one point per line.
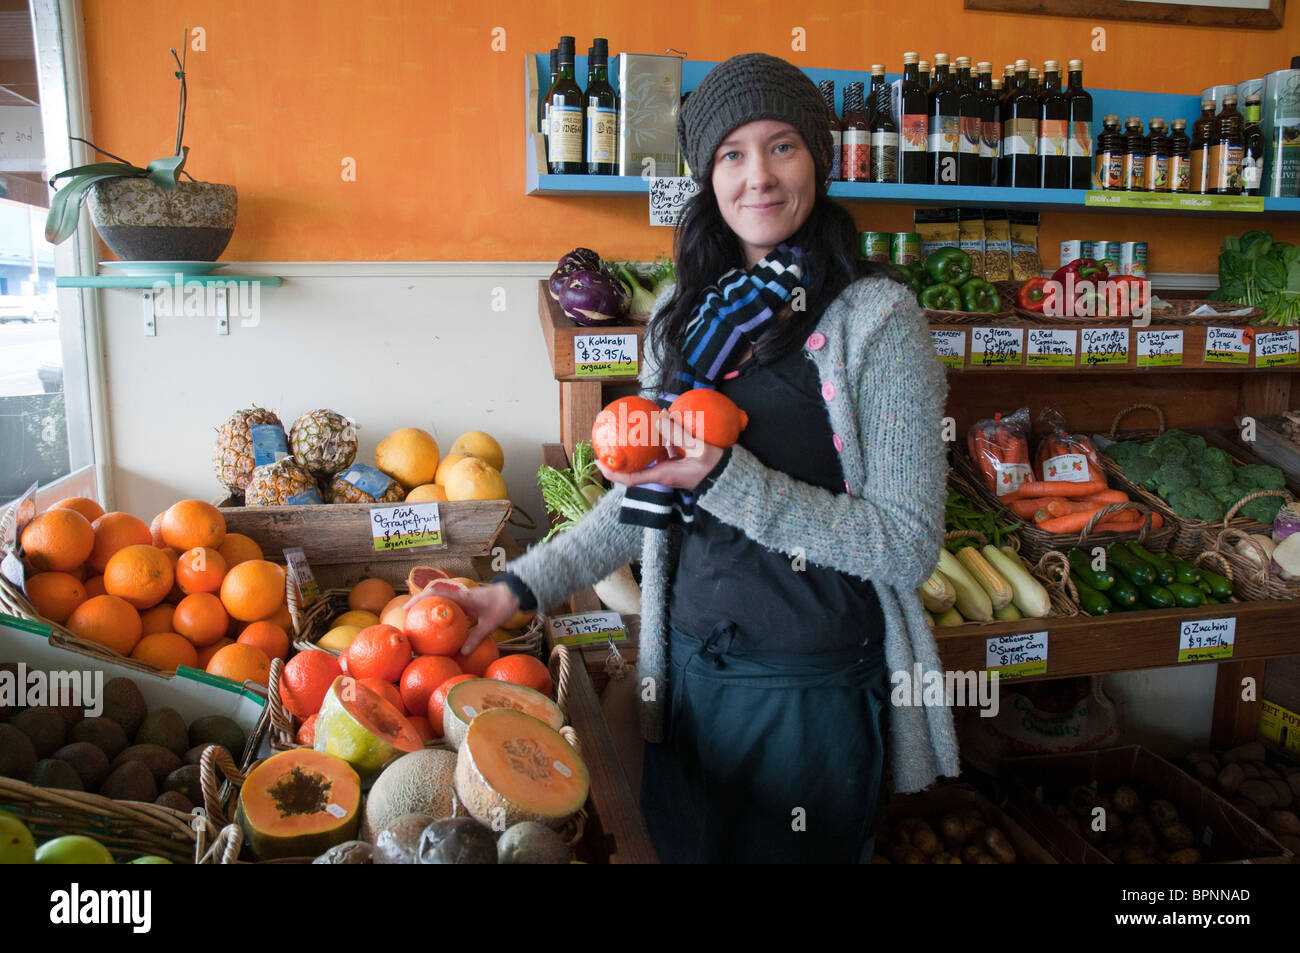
x=933, y=804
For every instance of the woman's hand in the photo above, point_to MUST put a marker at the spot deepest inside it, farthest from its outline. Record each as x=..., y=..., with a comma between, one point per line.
x=491, y=605
x=689, y=460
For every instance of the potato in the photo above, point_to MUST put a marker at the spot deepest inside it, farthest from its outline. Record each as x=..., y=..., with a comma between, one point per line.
x=1282, y=822
x=1293, y=781
x=1177, y=836
x=1141, y=834
x=1203, y=756
x=986, y=859
x=1134, y=855
x=1247, y=807
x=1205, y=772
x=1261, y=792
x=1230, y=778
x=907, y=827
x=878, y=859
x=1081, y=800
x=1115, y=853
x=971, y=854
x=1267, y=773
x=973, y=821
x=1163, y=812
x=1188, y=855
x=1250, y=751
x=1291, y=842
x=1251, y=772
x=1284, y=795
x=952, y=830
x=926, y=841
x=905, y=854
x=1127, y=801
x=999, y=846
x=943, y=857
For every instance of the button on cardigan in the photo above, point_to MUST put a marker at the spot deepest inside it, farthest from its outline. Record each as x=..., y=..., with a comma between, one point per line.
x=887, y=392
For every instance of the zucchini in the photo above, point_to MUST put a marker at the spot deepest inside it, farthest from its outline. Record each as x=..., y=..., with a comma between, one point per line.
x=1156, y=597
x=1082, y=566
x=1123, y=593
x=1185, y=572
x=1164, y=569
x=1211, y=601
x=1135, y=570
x=1090, y=600
x=1220, y=588
x=972, y=601
x=1204, y=586
x=950, y=618
x=1187, y=597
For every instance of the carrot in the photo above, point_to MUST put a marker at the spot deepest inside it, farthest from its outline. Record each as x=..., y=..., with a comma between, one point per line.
x=1070, y=523
x=1107, y=496
x=1061, y=488
x=1026, y=508
x=1062, y=507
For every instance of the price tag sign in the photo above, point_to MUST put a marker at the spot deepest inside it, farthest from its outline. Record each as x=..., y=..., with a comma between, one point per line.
x=1104, y=346
x=996, y=347
x=587, y=628
x=1279, y=726
x=302, y=575
x=1051, y=348
x=605, y=355
x=1016, y=656
x=1206, y=639
x=408, y=526
x=1174, y=201
x=1277, y=348
x=1228, y=345
x=11, y=567
x=1160, y=349
x=668, y=196
x=951, y=348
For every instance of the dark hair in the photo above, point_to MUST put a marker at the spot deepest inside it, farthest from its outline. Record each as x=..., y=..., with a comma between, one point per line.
x=705, y=248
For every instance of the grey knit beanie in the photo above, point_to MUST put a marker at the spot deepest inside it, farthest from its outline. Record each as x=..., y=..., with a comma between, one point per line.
x=748, y=87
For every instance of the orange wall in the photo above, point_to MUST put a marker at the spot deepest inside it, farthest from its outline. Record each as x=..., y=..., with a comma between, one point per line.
x=434, y=117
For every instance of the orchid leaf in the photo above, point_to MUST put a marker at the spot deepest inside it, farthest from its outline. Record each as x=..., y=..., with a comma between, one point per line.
x=166, y=172
x=99, y=168
x=66, y=205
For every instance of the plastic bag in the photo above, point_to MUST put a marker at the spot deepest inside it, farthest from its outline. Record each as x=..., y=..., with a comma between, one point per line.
x=999, y=448
x=1062, y=455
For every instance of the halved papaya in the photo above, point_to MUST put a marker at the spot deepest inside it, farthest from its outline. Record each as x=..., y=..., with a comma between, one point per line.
x=359, y=726
x=512, y=767
x=299, y=803
x=468, y=699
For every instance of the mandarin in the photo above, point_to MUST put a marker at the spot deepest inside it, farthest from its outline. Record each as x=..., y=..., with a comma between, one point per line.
x=191, y=523
x=141, y=574
x=165, y=650
x=114, y=531
x=241, y=663
x=201, y=618
x=55, y=595
x=421, y=677
x=306, y=679
x=108, y=621
x=58, y=541
x=522, y=670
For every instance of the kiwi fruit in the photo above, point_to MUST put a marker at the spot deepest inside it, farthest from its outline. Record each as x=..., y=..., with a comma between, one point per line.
x=166, y=728
x=176, y=801
x=50, y=773
x=159, y=760
x=44, y=726
x=17, y=756
x=104, y=733
x=88, y=761
x=399, y=842
x=124, y=704
x=217, y=730
x=195, y=754
x=130, y=781
x=185, y=780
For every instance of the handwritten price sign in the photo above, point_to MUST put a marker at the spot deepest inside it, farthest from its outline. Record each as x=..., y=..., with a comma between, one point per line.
x=1276, y=348
x=1016, y=656
x=303, y=577
x=1051, y=348
x=605, y=355
x=1228, y=345
x=996, y=347
x=668, y=196
x=951, y=348
x=1159, y=348
x=409, y=526
x=585, y=628
x=1104, y=346
x=1206, y=639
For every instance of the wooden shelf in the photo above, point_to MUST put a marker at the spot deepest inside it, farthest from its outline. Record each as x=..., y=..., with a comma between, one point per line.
x=561, y=336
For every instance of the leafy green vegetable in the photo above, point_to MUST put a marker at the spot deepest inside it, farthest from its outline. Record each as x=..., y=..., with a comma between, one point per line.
x=1258, y=272
x=571, y=494
x=1264, y=510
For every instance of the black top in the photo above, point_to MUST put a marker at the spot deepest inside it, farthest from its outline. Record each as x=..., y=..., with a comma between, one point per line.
x=776, y=604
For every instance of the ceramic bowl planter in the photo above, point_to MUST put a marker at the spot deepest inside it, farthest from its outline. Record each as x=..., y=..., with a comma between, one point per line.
x=139, y=221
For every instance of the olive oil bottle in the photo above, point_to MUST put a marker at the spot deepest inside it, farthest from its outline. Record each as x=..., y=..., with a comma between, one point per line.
x=1080, y=101
x=1252, y=148
x=884, y=139
x=970, y=112
x=1020, y=166
x=1054, y=130
x=989, y=135
x=914, y=128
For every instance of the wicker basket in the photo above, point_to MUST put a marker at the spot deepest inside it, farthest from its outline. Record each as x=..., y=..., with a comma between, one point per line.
x=1181, y=313
x=1203, y=560
x=1251, y=580
x=1006, y=291
x=1191, y=537
x=1040, y=569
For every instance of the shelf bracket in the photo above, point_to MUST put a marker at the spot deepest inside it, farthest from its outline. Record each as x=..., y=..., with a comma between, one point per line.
x=150, y=321
x=223, y=314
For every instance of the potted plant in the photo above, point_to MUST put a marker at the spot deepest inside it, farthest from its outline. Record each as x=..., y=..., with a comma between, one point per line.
x=147, y=214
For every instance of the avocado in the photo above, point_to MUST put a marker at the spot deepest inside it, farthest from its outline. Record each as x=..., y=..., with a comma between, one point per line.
x=159, y=760
x=124, y=704
x=176, y=801
x=185, y=780
x=8, y=711
x=104, y=733
x=56, y=774
x=531, y=843
x=218, y=730
x=164, y=727
x=130, y=781
x=195, y=754
x=348, y=852
x=90, y=763
x=17, y=756
x=399, y=842
x=71, y=714
x=44, y=726
x=457, y=840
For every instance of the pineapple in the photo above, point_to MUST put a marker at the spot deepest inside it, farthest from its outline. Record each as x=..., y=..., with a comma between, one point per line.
x=234, y=456
x=324, y=442
x=282, y=483
x=364, y=484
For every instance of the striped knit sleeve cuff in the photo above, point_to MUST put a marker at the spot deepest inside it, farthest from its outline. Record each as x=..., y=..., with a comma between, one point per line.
x=712, y=476
x=527, y=601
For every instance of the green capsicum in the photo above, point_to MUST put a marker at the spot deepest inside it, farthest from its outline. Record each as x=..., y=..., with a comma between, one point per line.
x=941, y=297
x=949, y=265
x=916, y=276
x=979, y=295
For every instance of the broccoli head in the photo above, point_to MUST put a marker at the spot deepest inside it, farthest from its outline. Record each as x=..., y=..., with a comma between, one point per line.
x=1172, y=477
x=1142, y=469
x=1214, y=457
x=1122, y=451
x=1261, y=477
x=1171, y=452
x=1196, y=504
x=1215, y=474
x=1227, y=495
x=1196, y=447
x=1264, y=510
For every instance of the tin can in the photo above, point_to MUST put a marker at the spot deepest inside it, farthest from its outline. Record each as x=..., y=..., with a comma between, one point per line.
x=905, y=248
x=1073, y=250
x=1107, y=253
x=1133, y=258
x=875, y=246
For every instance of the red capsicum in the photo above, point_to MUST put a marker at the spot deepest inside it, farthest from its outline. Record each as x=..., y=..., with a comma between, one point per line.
x=1131, y=289
x=1083, y=269
x=1031, y=294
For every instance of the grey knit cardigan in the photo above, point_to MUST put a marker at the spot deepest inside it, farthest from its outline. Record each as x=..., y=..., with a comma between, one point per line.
x=885, y=391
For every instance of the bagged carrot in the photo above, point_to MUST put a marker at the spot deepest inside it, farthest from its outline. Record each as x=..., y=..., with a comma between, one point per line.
x=1062, y=455
x=999, y=448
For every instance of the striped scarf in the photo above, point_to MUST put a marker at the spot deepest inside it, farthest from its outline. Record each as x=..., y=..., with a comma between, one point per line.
x=735, y=312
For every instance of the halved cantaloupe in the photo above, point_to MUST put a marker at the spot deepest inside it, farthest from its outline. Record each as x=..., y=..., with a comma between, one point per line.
x=359, y=726
x=468, y=699
x=299, y=803
x=512, y=767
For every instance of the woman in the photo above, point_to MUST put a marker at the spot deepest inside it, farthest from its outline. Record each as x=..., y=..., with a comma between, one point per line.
x=779, y=575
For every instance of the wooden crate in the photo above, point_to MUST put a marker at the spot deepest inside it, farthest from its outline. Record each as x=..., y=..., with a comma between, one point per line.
x=943, y=798
x=1272, y=446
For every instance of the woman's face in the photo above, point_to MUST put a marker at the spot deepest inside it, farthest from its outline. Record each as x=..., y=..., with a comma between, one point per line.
x=763, y=177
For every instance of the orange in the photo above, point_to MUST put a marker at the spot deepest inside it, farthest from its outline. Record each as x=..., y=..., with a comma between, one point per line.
x=237, y=548
x=241, y=663
x=58, y=541
x=140, y=574
x=385, y=690
x=625, y=436
x=253, y=590
x=165, y=650
x=421, y=677
x=201, y=618
x=521, y=670
x=114, y=531
x=55, y=594
x=476, y=662
x=378, y=651
x=206, y=653
x=191, y=523
x=478, y=444
x=158, y=619
x=307, y=732
x=436, y=626
x=86, y=507
x=307, y=677
x=200, y=570
x=709, y=415
x=371, y=595
x=422, y=727
x=281, y=618
x=409, y=456
x=519, y=619
x=109, y=621
x=155, y=530
x=474, y=479
x=393, y=614
x=438, y=701
x=268, y=637
x=95, y=587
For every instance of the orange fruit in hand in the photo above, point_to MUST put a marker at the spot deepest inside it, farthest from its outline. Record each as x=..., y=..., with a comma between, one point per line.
x=385, y=690
x=237, y=548
x=253, y=590
x=141, y=574
x=200, y=570
x=438, y=702
x=436, y=626
x=241, y=663
x=708, y=415
x=625, y=436
x=114, y=531
x=307, y=731
x=522, y=670
x=476, y=662
x=307, y=677
x=421, y=677
x=166, y=650
x=191, y=523
x=268, y=637
x=55, y=595
x=201, y=618
x=58, y=540
x=158, y=619
x=86, y=507
x=378, y=651
x=371, y=595
x=206, y=653
x=107, y=620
